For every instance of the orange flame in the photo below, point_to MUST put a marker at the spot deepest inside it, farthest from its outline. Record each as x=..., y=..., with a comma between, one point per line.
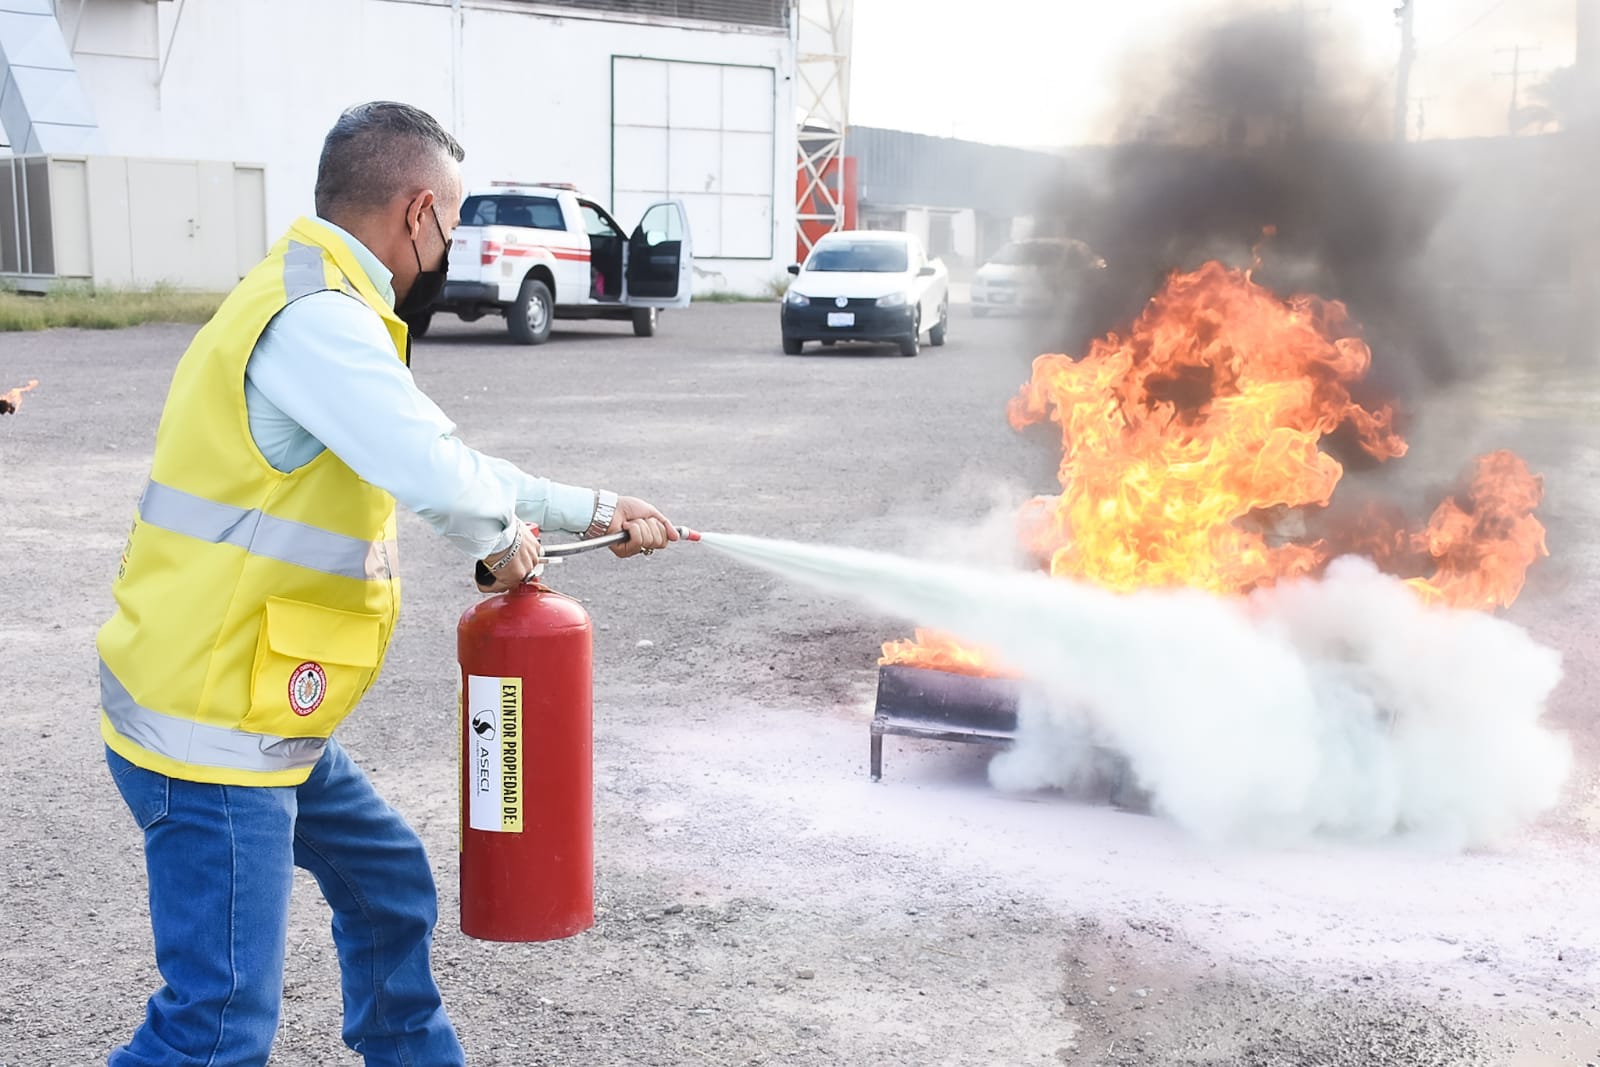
x=1484, y=547
x=1191, y=457
x=12, y=400
x=941, y=652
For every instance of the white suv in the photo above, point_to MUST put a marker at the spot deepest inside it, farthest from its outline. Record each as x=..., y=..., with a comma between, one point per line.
x=537, y=253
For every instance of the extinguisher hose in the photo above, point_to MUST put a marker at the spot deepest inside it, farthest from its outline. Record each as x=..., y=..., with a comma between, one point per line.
x=571, y=548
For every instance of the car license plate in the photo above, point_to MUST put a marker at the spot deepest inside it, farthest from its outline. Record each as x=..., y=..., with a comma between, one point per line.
x=841, y=318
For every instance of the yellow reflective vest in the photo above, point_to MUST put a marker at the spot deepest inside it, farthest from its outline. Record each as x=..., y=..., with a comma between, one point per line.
x=254, y=607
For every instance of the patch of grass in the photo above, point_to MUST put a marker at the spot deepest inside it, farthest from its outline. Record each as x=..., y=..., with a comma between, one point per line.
x=771, y=290
x=104, y=309
x=778, y=285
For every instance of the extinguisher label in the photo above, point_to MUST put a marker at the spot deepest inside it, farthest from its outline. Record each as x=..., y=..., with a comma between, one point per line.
x=494, y=752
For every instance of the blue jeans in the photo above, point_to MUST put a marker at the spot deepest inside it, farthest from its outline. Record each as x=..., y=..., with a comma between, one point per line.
x=220, y=860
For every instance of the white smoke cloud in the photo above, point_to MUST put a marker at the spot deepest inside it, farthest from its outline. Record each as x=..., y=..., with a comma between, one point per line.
x=1339, y=707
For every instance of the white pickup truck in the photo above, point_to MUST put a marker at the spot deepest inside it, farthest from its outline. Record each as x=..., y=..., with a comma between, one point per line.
x=537, y=253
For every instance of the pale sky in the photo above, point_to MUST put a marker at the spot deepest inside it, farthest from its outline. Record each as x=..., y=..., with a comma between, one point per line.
x=1049, y=72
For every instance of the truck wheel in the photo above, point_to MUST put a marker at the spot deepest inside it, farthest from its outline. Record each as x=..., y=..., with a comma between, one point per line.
x=644, y=322
x=941, y=330
x=531, y=317
x=418, y=324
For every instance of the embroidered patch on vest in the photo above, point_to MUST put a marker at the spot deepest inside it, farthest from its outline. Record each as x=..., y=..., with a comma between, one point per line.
x=307, y=686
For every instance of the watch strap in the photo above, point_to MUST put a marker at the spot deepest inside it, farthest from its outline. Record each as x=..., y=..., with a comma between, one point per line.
x=605, y=507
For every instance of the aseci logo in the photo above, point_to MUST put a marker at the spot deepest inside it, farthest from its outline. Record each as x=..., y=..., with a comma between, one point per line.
x=307, y=686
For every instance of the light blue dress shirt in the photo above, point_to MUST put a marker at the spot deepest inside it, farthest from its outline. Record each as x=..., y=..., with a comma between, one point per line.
x=324, y=375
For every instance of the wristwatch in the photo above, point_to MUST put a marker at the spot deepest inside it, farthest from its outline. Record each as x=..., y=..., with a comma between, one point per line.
x=605, y=506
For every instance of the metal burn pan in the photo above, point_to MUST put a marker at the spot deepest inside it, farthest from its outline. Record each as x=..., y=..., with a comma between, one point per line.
x=942, y=706
x=970, y=709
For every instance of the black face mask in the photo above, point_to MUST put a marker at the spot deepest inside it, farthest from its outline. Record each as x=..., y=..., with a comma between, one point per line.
x=428, y=282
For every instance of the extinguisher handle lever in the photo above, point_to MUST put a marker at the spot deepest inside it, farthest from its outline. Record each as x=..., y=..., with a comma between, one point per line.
x=556, y=553
x=553, y=553
x=572, y=548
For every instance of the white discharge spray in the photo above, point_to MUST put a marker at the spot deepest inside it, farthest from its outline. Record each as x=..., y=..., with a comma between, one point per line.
x=1341, y=706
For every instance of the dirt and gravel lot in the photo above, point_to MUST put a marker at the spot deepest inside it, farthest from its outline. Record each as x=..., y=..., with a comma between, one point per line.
x=760, y=902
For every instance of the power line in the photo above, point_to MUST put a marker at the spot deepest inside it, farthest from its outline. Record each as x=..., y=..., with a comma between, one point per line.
x=1469, y=27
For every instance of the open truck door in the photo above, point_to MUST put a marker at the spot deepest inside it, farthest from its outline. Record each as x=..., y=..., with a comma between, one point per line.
x=660, y=268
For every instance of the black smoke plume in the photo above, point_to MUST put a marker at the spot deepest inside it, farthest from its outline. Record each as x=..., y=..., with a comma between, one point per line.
x=1263, y=124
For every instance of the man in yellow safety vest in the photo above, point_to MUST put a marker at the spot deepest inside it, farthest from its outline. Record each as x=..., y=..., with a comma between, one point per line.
x=257, y=596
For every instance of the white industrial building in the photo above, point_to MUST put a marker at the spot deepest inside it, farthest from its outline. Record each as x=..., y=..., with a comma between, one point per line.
x=170, y=140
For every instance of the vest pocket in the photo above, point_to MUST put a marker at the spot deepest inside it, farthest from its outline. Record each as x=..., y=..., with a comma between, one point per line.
x=312, y=665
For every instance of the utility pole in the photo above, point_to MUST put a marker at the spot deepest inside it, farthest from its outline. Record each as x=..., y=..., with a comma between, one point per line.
x=1515, y=74
x=1588, y=64
x=1297, y=118
x=1583, y=149
x=1402, y=76
x=1422, y=103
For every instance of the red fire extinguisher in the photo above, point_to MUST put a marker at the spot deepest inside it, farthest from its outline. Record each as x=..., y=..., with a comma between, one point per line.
x=527, y=775
x=527, y=760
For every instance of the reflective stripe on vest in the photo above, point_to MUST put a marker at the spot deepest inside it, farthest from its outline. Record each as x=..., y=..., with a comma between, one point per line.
x=266, y=535
x=187, y=741
x=303, y=273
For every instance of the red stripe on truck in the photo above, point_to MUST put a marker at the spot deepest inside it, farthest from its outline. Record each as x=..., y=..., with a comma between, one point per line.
x=558, y=253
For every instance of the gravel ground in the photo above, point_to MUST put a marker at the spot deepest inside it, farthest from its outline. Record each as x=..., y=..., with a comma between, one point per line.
x=759, y=901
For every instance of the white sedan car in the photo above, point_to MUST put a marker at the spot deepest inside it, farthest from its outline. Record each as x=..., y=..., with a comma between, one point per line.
x=867, y=285
x=1037, y=274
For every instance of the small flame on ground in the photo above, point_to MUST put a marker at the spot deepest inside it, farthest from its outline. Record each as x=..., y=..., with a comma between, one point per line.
x=1191, y=456
x=11, y=400
x=940, y=652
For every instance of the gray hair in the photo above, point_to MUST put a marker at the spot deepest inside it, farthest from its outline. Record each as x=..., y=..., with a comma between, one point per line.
x=380, y=150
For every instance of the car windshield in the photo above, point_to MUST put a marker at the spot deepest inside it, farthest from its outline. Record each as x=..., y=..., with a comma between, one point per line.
x=534, y=212
x=870, y=257
x=1030, y=254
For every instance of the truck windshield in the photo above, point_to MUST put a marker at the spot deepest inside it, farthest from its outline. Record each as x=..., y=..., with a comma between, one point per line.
x=869, y=257
x=534, y=212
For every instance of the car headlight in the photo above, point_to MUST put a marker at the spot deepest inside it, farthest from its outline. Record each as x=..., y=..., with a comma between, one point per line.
x=795, y=299
x=893, y=300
